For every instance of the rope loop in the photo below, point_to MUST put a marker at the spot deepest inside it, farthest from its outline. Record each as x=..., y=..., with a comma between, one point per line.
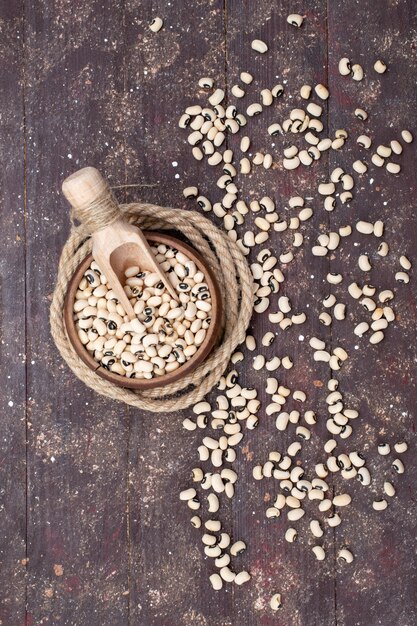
x=104, y=211
x=235, y=281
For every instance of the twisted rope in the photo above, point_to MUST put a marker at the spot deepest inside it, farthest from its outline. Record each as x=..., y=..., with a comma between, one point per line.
x=235, y=281
x=98, y=214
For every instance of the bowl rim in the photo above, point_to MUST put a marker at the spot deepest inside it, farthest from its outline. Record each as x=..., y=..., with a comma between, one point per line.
x=212, y=336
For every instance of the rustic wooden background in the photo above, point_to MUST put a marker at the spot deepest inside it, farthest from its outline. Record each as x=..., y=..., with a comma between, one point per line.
x=92, y=531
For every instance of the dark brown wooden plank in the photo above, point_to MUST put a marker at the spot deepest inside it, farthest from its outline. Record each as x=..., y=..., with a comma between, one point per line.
x=103, y=90
x=295, y=57
x=12, y=321
x=379, y=587
x=77, y=458
x=169, y=573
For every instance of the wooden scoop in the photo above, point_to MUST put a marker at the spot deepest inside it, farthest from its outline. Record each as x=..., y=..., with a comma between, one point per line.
x=117, y=244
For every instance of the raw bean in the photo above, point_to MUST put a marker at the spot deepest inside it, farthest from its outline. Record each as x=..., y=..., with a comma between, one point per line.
x=295, y=514
x=216, y=582
x=222, y=561
x=378, y=228
x=361, y=329
x=246, y=78
x=361, y=114
x=242, y=578
x=377, y=160
x=314, y=109
x=338, y=143
x=291, y=164
x=340, y=311
x=197, y=153
x=295, y=19
x=325, y=505
x=324, y=144
x=379, y=324
x=156, y=24
x=188, y=494
x=376, y=337
x=319, y=553
x=345, y=197
x=342, y=500
x=355, y=291
x=149, y=353
x=398, y=466
x=294, y=448
x=383, y=249
x=291, y=535
x=305, y=158
x=237, y=548
x=274, y=129
x=330, y=446
x=316, y=529
x=305, y=92
x=396, y=147
x=345, y=67
x=245, y=144
x=266, y=97
x=384, y=151
x=259, y=46
x=190, y=192
x=237, y=91
x=272, y=512
x=213, y=503
x=393, y=168
x=380, y=67
x=319, y=251
x=189, y=424
x=401, y=447
x=334, y=279
x=334, y=520
x=341, y=133
x=345, y=555
x=326, y=189
x=317, y=344
x=405, y=263
x=357, y=72
x=277, y=91
x=206, y=82
x=196, y=521
x=389, y=489
x=227, y=574
x=407, y=136
x=364, y=263
x=321, y=91
x=217, y=97
x=275, y=602
x=360, y=167
x=364, y=141
x=321, y=356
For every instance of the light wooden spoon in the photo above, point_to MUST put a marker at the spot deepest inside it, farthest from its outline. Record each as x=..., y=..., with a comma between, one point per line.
x=117, y=244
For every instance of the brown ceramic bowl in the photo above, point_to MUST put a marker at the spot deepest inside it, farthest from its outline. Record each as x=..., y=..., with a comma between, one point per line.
x=159, y=381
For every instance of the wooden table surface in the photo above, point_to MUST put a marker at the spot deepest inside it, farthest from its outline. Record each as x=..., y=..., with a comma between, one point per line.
x=92, y=529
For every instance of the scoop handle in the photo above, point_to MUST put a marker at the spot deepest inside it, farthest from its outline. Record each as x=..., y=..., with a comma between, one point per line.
x=91, y=198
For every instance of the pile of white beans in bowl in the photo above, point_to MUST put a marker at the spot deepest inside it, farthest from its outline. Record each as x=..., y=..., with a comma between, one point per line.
x=165, y=334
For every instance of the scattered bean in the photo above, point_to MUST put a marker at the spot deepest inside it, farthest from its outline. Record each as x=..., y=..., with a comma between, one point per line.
x=259, y=46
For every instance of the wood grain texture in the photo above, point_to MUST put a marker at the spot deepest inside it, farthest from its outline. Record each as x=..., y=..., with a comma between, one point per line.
x=77, y=458
x=295, y=57
x=12, y=322
x=162, y=80
x=380, y=381
x=107, y=539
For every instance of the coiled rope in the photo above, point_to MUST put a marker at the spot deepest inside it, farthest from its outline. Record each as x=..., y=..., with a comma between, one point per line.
x=235, y=281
